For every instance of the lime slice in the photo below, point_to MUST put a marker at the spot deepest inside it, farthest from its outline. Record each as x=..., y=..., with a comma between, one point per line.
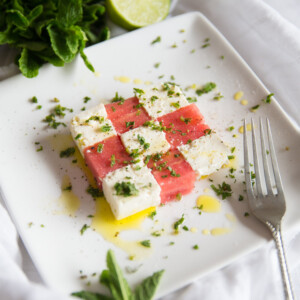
x=131, y=14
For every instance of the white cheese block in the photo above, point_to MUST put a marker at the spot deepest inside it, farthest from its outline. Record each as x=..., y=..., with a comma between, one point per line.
x=162, y=100
x=145, y=141
x=206, y=154
x=91, y=126
x=146, y=191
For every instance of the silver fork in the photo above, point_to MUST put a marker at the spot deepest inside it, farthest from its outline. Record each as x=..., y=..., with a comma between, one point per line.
x=267, y=203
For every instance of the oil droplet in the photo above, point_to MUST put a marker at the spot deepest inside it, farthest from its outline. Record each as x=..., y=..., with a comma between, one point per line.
x=244, y=102
x=148, y=82
x=123, y=79
x=97, y=74
x=219, y=231
x=206, y=231
x=248, y=128
x=230, y=218
x=194, y=230
x=105, y=223
x=137, y=81
x=206, y=190
x=208, y=204
x=68, y=201
x=238, y=95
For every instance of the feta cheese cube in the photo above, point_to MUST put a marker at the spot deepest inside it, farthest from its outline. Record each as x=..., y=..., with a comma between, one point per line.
x=143, y=141
x=206, y=154
x=130, y=189
x=162, y=100
x=91, y=126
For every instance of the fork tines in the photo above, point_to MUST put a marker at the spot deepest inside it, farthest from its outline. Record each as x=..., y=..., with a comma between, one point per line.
x=260, y=180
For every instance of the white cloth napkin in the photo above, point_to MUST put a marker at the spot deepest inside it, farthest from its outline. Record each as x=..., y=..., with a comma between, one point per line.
x=267, y=35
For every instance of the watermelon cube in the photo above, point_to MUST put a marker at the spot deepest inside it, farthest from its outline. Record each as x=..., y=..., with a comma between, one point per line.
x=183, y=125
x=105, y=157
x=126, y=115
x=174, y=175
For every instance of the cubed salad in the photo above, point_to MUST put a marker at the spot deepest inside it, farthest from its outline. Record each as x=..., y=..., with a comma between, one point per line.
x=148, y=149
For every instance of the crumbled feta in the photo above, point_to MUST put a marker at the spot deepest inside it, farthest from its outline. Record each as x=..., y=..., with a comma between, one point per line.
x=146, y=191
x=206, y=154
x=143, y=141
x=162, y=100
x=91, y=126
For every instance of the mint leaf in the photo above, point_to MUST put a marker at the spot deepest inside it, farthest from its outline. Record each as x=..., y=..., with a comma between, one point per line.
x=48, y=55
x=69, y=12
x=84, y=57
x=147, y=289
x=17, y=18
x=35, y=13
x=116, y=278
x=91, y=296
x=59, y=43
x=29, y=64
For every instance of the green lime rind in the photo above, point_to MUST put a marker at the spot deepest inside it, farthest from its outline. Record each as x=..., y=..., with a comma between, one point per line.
x=132, y=14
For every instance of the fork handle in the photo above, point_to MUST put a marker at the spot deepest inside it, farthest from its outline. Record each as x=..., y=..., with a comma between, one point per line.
x=288, y=290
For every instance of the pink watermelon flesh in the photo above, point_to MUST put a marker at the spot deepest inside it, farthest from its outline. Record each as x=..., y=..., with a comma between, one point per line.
x=174, y=175
x=102, y=163
x=183, y=125
x=122, y=114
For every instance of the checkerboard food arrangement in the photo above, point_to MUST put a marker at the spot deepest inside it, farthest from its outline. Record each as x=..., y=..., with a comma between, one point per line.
x=148, y=149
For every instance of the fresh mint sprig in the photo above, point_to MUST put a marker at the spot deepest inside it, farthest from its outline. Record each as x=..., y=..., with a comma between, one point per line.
x=51, y=31
x=115, y=281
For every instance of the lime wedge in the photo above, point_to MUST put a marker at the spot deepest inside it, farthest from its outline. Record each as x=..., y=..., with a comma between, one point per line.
x=131, y=14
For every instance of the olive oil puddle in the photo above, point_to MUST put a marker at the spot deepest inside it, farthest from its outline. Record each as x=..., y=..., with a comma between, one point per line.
x=210, y=204
x=103, y=221
x=68, y=202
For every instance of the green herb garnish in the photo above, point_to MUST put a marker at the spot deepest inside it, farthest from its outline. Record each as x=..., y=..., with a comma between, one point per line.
x=268, y=98
x=50, y=119
x=118, y=98
x=191, y=99
x=67, y=152
x=78, y=136
x=208, y=87
x=105, y=128
x=84, y=228
x=34, y=99
x=185, y=120
x=152, y=214
x=178, y=223
x=138, y=92
x=100, y=148
x=175, y=104
x=157, y=40
x=129, y=124
x=223, y=190
x=112, y=160
x=86, y=99
x=126, y=189
x=146, y=243
x=94, y=192
x=153, y=98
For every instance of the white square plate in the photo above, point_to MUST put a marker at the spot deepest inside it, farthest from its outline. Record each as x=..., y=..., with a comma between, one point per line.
x=31, y=181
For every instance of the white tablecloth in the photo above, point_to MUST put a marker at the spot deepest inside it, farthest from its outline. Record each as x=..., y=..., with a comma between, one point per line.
x=267, y=35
